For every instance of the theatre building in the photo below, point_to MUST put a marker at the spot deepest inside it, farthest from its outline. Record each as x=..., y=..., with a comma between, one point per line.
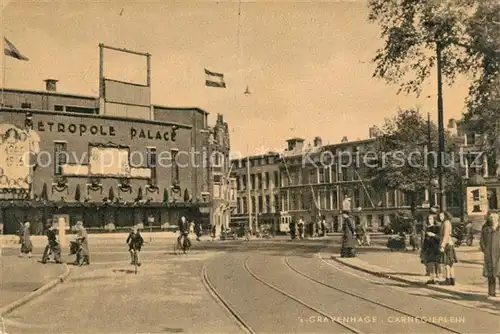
x=110, y=162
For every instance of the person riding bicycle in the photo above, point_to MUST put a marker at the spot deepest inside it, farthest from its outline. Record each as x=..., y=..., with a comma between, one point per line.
x=135, y=242
x=183, y=231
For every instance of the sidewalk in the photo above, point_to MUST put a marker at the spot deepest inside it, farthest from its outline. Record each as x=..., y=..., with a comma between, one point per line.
x=21, y=276
x=406, y=267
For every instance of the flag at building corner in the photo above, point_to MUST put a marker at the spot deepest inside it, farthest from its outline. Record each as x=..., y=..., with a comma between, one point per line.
x=10, y=50
x=214, y=79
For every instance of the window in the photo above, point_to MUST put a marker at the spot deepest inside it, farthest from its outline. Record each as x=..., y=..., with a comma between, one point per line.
x=391, y=199
x=267, y=180
x=345, y=177
x=175, y=167
x=58, y=108
x=381, y=221
x=252, y=181
x=276, y=179
x=471, y=138
x=217, y=178
x=245, y=205
x=244, y=182
x=369, y=220
x=25, y=105
x=253, y=205
x=259, y=181
x=334, y=199
x=151, y=162
x=60, y=157
x=327, y=173
x=238, y=186
x=81, y=110
x=261, y=204
x=239, y=207
x=322, y=178
x=276, y=203
x=324, y=199
x=267, y=205
x=357, y=199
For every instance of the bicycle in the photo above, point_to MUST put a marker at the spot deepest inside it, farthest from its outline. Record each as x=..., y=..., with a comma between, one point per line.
x=184, y=245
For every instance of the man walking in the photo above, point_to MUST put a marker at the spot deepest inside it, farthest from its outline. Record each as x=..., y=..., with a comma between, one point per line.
x=52, y=246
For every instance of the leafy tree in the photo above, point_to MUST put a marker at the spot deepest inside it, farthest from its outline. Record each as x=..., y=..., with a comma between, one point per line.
x=111, y=194
x=77, y=193
x=467, y=32
x=404, y=158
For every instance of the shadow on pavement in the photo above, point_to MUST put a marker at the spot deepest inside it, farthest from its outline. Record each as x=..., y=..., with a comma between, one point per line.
x=173, y=330
x=126, y=271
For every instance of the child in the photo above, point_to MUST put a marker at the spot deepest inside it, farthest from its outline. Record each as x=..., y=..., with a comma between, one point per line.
x=135, y=242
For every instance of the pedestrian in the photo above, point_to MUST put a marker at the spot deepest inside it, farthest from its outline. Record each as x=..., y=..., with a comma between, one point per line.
x=348, y=248
x=198, y=230
x=300, y=226
x=291, y=226
x=214, y=231
x=429, y=221
x=26, y=245
x=83, y=256
x=469, y=233
x=323, y=226
x=52, y=245
x=447, y=248
x=490, y=246
x=431, y=249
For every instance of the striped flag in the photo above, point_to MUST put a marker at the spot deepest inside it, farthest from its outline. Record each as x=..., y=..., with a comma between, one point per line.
x=10, y=50
x=214, y=79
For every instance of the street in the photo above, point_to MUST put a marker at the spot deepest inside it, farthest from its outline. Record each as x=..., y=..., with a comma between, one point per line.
x=234, y=286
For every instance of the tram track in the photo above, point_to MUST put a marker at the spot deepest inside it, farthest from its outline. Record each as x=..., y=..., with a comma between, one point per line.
x=224, y=303
x=371, y=301
x=286, y=294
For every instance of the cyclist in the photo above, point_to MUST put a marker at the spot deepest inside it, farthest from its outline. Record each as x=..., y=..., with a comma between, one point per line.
x=183, y=232
x=135, y=242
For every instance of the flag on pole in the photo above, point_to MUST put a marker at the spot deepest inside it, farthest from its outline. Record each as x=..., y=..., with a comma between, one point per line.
x=10, y=50
x=214, y=79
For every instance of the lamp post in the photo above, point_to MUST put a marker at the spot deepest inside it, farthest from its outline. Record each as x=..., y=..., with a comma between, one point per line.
x=441, y=151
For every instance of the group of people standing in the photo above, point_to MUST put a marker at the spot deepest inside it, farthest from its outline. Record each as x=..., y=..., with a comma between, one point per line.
x=438, y=248
x=312, y=229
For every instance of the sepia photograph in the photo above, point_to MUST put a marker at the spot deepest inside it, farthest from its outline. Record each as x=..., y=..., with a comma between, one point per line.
x=250, y=166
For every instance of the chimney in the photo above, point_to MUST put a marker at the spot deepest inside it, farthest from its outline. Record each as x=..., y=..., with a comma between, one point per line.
x=452, y=123
x=51, y=85
x=295, y=144
x=344, y=140
x=317, y=142
x=373, y=132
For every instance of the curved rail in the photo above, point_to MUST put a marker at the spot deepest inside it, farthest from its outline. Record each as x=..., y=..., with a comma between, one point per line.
x=225, y=304
x=365, y=299
x=286, y=294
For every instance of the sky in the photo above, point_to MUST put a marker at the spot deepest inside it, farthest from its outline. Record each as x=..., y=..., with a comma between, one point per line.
x=306, y=63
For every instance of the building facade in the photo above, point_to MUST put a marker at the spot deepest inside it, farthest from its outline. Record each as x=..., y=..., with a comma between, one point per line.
x=64, y=156
x=257, y=181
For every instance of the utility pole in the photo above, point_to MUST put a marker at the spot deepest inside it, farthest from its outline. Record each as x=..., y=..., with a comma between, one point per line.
x=441, y=152
x=430, y=163
x=249, y=202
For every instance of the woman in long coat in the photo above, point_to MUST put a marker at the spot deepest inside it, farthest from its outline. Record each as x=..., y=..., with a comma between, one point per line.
x=82, y=238
x=26, y=245
x=490, y=246
x=349, y=242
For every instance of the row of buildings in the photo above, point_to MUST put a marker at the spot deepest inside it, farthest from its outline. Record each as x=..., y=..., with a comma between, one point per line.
x=274, y=188
x=111, y=160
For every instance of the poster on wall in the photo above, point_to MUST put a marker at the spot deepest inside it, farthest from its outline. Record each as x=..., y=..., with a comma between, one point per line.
x=18, y=148
x=109, y=161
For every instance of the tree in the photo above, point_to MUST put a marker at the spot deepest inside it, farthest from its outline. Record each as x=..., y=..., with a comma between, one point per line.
x=77, y=193
x=111, y=194
x=403, y=158
x=468, y=35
